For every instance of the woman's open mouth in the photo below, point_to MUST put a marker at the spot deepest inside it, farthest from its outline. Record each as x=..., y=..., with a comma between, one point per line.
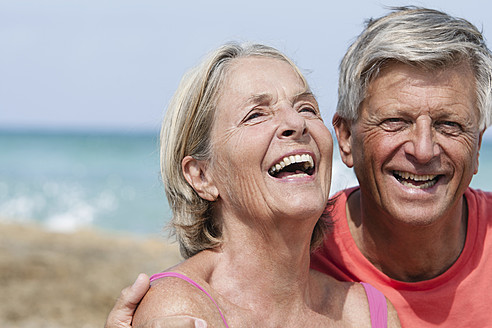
x=293, y=166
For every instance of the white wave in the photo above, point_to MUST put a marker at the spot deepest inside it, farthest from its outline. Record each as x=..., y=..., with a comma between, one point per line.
x=21, y=208
x=59, y=206
x=78, y=217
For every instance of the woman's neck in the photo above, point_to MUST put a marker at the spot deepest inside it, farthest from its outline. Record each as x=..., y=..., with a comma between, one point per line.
x=257, y=267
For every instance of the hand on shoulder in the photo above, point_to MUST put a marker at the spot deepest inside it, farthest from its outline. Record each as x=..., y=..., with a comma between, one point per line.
x=171, y=296
x=122, y=313
x=178, y=321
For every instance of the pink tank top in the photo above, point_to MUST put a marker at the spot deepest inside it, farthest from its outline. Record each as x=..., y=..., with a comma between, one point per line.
x=377, y=306
x=185, y=278
x=376, y=299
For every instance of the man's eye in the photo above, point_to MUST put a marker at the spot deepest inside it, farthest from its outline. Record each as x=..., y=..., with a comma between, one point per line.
x=450, y=124
x=393, y=124
x=449, y=127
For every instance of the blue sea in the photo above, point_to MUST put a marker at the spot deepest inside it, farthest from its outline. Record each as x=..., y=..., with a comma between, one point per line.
x=108, y=181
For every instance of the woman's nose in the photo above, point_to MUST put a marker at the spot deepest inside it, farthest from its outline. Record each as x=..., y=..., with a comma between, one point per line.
x=292, y=124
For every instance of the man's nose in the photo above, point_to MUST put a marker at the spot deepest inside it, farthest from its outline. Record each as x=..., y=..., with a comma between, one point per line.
x=423, y=146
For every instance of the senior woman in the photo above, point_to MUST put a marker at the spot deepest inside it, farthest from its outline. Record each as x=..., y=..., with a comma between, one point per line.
x=246, y=163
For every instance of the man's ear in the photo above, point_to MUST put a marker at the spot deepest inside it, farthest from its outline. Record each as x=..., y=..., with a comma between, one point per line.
x=478, y=151
x=344, y=136
x=197, y=174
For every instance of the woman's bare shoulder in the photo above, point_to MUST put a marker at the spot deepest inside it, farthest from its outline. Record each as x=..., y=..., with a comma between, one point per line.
x=358, y=298
x=345, y=301
x=393, y=319
x=171, y=296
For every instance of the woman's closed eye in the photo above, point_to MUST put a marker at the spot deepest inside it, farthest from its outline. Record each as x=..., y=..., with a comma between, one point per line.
x=309, y=111
x=253, y=116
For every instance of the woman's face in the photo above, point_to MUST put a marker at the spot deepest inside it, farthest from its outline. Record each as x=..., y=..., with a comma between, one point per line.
x=272, y=152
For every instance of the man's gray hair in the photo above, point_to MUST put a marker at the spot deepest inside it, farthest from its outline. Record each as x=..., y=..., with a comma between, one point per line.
x=420, y=37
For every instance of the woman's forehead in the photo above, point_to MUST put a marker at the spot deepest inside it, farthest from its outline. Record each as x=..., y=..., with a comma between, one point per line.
x=255, y=77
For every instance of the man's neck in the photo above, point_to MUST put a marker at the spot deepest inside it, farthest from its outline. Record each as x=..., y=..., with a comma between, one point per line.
x=405, y=252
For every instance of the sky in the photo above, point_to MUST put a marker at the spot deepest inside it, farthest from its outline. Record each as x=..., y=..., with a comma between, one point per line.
x=115, y=64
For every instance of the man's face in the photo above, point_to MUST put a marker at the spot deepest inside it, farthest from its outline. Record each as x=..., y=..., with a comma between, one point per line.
x=415, y=145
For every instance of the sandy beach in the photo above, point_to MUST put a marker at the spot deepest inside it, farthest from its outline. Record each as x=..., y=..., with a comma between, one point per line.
x=57, y=280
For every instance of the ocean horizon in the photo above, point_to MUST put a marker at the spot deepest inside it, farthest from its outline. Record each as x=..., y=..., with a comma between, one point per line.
x=108, y=180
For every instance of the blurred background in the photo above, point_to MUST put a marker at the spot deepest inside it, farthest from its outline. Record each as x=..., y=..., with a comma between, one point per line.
x=83, y=89
x=84, y=85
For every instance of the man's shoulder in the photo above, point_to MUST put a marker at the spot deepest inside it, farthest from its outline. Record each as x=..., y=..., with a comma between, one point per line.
x=479, y=196
x=479, y=204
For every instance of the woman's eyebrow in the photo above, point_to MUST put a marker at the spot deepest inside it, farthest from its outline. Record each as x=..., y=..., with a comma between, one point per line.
x=261, y=98
x=304, y=96
x=267, y=98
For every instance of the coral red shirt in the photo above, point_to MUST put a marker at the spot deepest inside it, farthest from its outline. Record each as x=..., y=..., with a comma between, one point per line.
x=460, y=297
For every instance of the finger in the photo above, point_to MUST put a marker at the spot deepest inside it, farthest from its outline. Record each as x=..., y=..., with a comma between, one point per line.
x=137, y=291
x=122, y=313
x=183, y=321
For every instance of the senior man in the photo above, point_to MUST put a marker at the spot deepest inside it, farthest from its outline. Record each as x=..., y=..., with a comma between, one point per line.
x=414, y=101
x=415, y=96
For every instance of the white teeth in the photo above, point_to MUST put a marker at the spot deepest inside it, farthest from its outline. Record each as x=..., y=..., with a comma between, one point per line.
x=430, y=178
x=422, y=186
x=297, y=175
x=415, y=177
x=286, y=161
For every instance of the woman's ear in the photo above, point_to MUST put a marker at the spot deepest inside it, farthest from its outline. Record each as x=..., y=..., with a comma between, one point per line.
x=197, y=174
x=344, y=136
